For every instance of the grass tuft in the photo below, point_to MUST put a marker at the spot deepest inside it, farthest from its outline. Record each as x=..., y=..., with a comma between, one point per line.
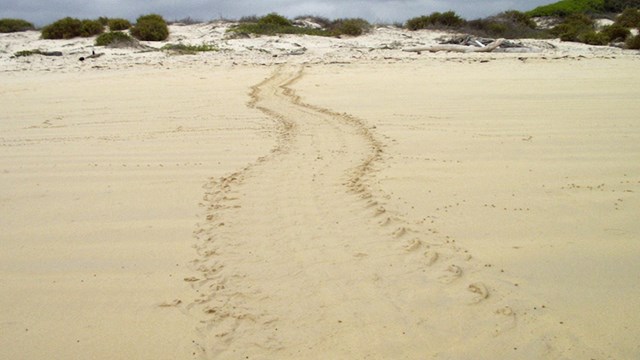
x=37, y=52
x=183, y=49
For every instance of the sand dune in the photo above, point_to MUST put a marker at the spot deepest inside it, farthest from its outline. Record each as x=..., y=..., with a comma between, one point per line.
x=338, y=204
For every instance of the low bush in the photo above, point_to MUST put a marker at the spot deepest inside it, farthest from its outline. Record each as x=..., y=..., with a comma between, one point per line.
x=447, y=19
x=66, y=28
x=103, y=20
x=321, y=21
x=69, y=28
x=273, y=24
x=616, y=6
x=633, y=42
x=274, y=19
x=510, y=24
x=248, y=19
x=616, y=32
x=487, y=27
x=418, y=23
x=91, y=27
x=352, y=27
x=593, y=38
x=150, y=28
x=14, y=25
x=118, y=24
x=114, y=38
x=629, y=18
x=436, y=20
x=517, y=18
x=573, y=27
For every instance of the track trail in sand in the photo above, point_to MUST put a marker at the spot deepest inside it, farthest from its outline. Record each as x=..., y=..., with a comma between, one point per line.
x=299, y=258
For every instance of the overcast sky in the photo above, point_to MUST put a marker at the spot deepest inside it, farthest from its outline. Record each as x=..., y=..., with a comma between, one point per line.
x=42, y=12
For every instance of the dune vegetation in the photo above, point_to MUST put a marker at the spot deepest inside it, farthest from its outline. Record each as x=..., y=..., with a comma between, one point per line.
x=14, y=25
x=574, y=21
x=273, y=23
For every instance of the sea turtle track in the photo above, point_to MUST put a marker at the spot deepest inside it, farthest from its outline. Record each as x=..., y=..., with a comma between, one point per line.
x=298, y=253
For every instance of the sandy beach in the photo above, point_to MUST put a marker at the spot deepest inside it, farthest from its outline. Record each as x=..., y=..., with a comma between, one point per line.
x=345, y=201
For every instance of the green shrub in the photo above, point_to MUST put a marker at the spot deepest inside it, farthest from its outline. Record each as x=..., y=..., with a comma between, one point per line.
x=487, y=27
x=568, y=7
x=571, y=35
x=322, y=21
x=517, y=18
x=498, y=28
x=114, y=38
x=573, y=26
x=150, y=28
x=509, y=24
x=118, y=24
x=593, y=38
x=91, y=28
x=629, y=18
x=69, y=28
x=14, y=25
x=249, y=19
x=66, y=28
x=273, y=24
x=103, y=20
x=352, y=27
x=447, y=19
x=616, y=32
x=274, y=19
x=617, y=6
x=633, y=42
x=418, y=23
x=253, y=28
x=580, y=20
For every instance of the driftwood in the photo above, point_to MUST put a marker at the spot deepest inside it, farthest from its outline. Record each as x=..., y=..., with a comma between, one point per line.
x=37, y=52
x=458, y=48
x=92, y=56
x=471, y=40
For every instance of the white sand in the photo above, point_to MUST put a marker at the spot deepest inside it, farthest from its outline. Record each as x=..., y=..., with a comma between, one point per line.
x=342, y=203
x=532, y=167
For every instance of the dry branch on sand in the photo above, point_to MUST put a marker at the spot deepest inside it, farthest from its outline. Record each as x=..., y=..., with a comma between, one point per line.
x=457, y=48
